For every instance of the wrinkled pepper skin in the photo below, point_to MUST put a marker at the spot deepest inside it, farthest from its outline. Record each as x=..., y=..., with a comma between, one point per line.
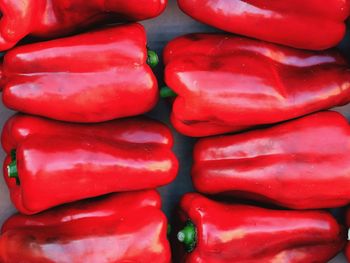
x=92, y=77
x=227, y=83
x=54, y=18
x=106, y=230
x=140, y=130
x=306, y=24
x=89, y=163
x=249, y=234
x=300, y=164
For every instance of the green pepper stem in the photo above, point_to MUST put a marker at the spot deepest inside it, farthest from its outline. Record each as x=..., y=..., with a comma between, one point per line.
x=188, y=236
x=12, y=169
x=166, y=92
x=13, y=155
x=152, y=58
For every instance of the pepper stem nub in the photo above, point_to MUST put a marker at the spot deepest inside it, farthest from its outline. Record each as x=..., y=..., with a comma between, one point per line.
x=12, y=169
x=188, y=236
x=166, y=92
x=13, y=155
x=152, y=58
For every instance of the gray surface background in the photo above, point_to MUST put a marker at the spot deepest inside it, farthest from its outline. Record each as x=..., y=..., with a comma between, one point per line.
x=170, y=24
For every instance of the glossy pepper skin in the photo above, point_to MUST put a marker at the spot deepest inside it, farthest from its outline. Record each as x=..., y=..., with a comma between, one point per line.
x=64, y=165
x=139, y=130
x=92, y=77
x=227, y=83
x=249, y=234
x=53, y=18
x=108, y=229
x=300, y=164
x=305, y=24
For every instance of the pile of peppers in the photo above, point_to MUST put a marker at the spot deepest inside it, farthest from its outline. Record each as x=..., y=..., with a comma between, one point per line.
x=83, y=164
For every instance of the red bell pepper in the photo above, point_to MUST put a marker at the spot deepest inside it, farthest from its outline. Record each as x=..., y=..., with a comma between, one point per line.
x=141, y=130
x=92, y=77
x=227, y=83
x=109, y=229
x=53, y=18
x=218, y=232
x=70, y=162
x=301, y=164
x=306, y=24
